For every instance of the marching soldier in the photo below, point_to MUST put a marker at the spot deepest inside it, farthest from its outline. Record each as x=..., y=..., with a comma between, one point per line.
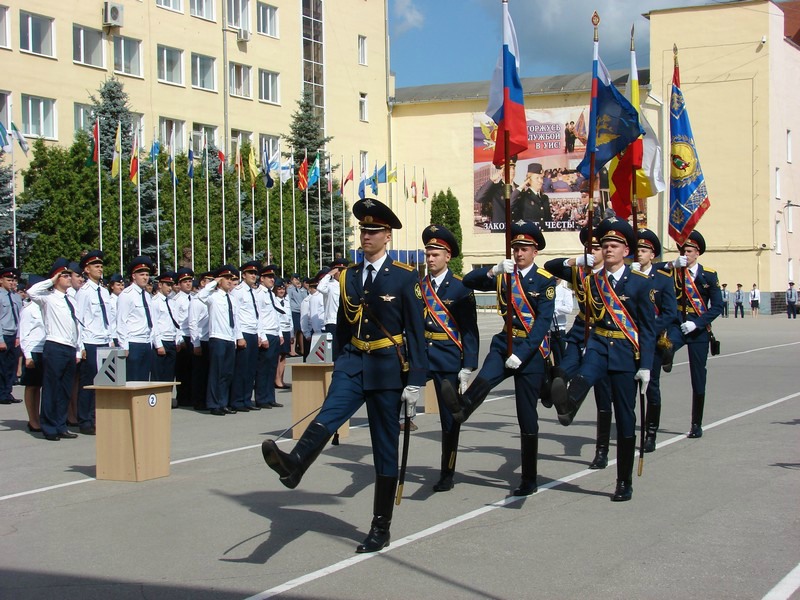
x=703, y=305
x=533, y=292
x=377, y=364
x=663, y=296
x=451, y=330
x=136, y=326
x=621, y=343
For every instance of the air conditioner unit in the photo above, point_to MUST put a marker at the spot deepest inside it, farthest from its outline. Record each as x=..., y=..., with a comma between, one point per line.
x=243, y=35
x=112, y=14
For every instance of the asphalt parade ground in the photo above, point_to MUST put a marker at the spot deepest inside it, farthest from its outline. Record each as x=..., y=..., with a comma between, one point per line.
x=715, y=517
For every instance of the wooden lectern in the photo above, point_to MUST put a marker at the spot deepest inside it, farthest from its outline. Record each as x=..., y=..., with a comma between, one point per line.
x=310, y=383
x=133, y=424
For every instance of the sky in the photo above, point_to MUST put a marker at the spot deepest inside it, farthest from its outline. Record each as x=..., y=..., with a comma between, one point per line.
x=451, y=41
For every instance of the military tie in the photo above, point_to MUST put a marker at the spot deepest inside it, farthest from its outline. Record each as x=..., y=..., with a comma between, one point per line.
x=230, y=310
x=13, y=309
x=146, y=310
x=434, y=284
x=253, y=298
x=370, y=278
x=102, y=307
x=272, y=299
x=71, y=309
x=169, y=310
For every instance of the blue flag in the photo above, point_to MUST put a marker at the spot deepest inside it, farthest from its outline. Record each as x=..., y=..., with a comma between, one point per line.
x=362, y=188
x=381, y=178
x=190, y=170
x=155, y=150
x=267, y=165
x=313, y=172
x=373, y=181
x=688, y=196
x=613, y=121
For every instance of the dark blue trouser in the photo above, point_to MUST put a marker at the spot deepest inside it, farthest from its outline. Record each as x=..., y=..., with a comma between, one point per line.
x=265, y=372
x=345, y=397
x=445, y=416
x=8, y=367
x=59, y=375
x=654, y=387
x=200, y=377
x=164, y=365
x=221, y=362
x=621, y=384
x=183, y=373
x=140, y=361
x=244, y=378
x=87, y=373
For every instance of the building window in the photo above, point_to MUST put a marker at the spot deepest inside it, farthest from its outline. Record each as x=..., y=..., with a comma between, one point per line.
x=137, y=124
x=5, y=38
x=268, y=86
x=170, y=65
x=87, y=46
x=267, y=19
x=778, y=183
x=202, y=8
x=4, y=96
x=789, y=220
x=199, y=131
x=788, y=145
x=778, y=238
x=362, y=50
x=313, y=57
x=83, y=117
x=203, y=72
x=363, y=161
x=127, y=56
x=36, y=34
x=790, y=270
x=268, y=144
x=238, y=14
x=176, y=5
x=167, y=128
x=239, y=80
x=238, y=137
x=38, y=116
x=362, y=107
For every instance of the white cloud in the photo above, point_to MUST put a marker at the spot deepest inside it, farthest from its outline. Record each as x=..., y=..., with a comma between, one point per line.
x=408, y=16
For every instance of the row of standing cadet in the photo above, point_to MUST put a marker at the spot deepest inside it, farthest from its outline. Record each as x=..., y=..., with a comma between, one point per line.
x=394, y=332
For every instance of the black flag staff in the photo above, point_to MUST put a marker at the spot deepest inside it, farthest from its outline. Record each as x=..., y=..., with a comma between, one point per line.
x=592, y=184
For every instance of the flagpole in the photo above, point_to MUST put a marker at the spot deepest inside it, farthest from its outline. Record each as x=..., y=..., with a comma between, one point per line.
x=238, y=159
x=224, y=235
x=406, y=212
x=319, y=212
x=119, y=176
x=139, y=204
x=174, y=202
x=330, y=201
x=676, y=81
x=344, y=210
x=14, y=195
x=191, y=198
x=208, y=211
x=253, y=220
x=99, y=187
x=158, y=219
x=294, y=211
x=634, y=168
x=308, y=237
x=592, y=175
x=280, y=199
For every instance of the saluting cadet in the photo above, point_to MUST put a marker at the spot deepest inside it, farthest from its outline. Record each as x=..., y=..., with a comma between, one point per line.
x=533, y=292
x=621, y=344
x=223, y=338
x=167, y=325
x=328, y=286
x=574, y=271
x=61, y=353
x=136, y=326
x=32, y=336
x=269, y=340
x=380, y=301
x=10, y=307
x=94, y=315
x=115, y=287
x=183, y=361
x=245, y=306
x=663, y=296
x=703, y=305
x=451, y=331
x=198, y=329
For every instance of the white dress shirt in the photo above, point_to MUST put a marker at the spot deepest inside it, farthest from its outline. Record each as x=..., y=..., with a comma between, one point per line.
x=312, y=314
x=32, y=334
x=219, y=309
x=164, y=319
x=284, y=320
x=198, y=322
x=267, y=315
x=245, y=305
x=132, y=321
x=330, y=290
x=90, y=314
x=59, y=324
x=180, y=310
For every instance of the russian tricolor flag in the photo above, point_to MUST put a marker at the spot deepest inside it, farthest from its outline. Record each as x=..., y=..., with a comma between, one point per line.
x=506, y=106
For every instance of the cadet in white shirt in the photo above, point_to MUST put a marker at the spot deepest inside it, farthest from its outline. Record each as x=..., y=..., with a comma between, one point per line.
x=198, y=330
x=180, y=303
x=168, y=327
x=245, y=305
x=32, y=337
x=270, y=338
x=312, y=315
x=136, y=326
x=94, y=315
x=285, y=327
x=61, y=351
x=115, y=287
x=329, y=288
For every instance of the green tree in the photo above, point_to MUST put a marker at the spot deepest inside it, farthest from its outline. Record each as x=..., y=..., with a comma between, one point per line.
x=445, y=211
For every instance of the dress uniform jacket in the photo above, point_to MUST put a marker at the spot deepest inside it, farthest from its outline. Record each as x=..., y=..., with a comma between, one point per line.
x=707, y=283
x=444, y=355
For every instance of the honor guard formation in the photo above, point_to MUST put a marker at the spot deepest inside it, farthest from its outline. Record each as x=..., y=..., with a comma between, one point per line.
x=225, y=336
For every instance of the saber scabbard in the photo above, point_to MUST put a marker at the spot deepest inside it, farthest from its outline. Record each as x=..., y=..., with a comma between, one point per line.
x=404, y=461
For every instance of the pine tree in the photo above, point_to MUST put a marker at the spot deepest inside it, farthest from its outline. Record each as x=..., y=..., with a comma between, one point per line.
x=445, y=211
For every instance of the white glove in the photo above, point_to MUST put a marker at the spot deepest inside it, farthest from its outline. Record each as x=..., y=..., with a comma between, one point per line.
x=643, y=376
x=411, y=397
x=636, y=266
x=589, y=260
x=688, y=327
x=504, y=266
x=513, y=362
x=679, y=262
x=463, y=380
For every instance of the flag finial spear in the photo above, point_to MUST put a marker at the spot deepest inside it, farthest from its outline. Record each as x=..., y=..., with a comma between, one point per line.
x=595, y=22
x=632, y=48
x=675, y=54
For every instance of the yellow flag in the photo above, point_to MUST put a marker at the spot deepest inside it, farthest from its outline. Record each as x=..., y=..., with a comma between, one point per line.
x=253, y=167
x=117, y=152
x=392, y=177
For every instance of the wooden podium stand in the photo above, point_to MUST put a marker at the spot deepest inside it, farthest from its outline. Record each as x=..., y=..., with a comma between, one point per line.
x=133, y=430
x=310, y=383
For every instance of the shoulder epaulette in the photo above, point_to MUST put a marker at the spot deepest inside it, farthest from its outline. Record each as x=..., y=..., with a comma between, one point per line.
x=663, y=272
x=709, y=270
x=404, y=266
x=545, y=273
x=640, y=274
x=457, y=277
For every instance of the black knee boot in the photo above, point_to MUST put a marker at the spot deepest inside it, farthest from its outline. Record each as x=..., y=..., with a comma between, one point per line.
x=698, y=403
x=383, y=504
x=449, y=452
x=651, y=427
x=603, y=439
x=577, y=391
x=463, y=406
x=626, y=448
x=530, y=451
x=555, y=390
x=292, y=465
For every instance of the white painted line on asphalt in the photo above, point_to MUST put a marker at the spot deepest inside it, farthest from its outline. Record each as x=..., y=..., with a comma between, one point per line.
x=46, y=489
x=348, y=562
x=786, y=586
